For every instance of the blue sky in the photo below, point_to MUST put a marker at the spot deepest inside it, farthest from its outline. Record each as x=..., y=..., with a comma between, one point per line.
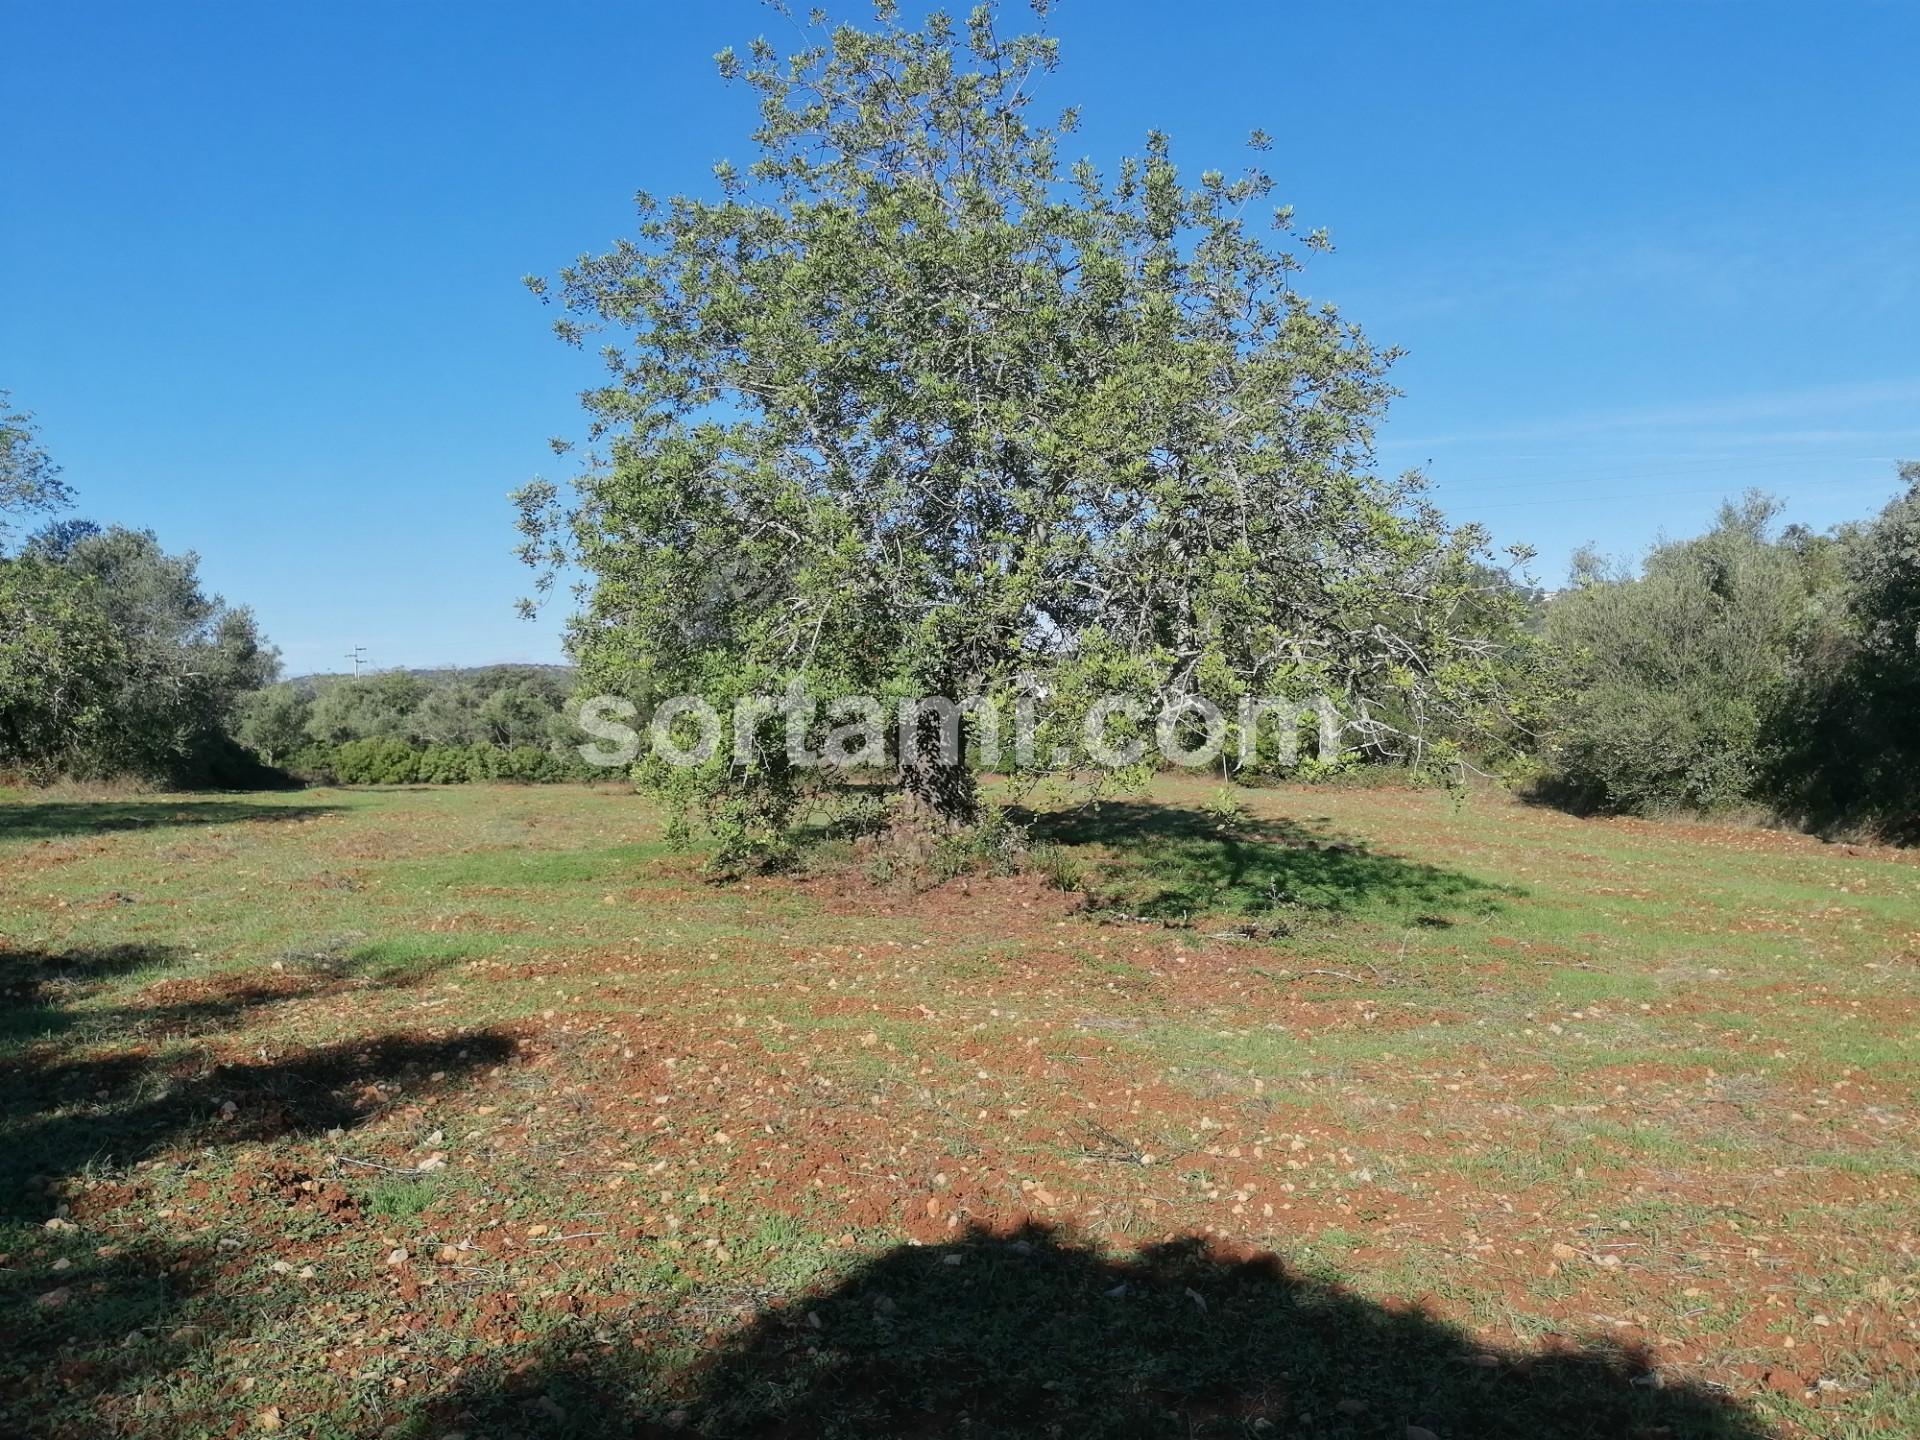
x=261, y=262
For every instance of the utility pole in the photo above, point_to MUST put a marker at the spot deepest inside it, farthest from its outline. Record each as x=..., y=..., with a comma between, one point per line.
x=358, y=657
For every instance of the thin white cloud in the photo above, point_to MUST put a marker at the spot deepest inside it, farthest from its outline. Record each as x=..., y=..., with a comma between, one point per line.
x=1778, y=408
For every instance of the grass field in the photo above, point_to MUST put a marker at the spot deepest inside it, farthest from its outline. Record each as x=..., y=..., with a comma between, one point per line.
x=472, y=1111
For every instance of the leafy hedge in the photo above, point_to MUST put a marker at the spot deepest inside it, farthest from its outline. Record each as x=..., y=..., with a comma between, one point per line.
x=395, y=762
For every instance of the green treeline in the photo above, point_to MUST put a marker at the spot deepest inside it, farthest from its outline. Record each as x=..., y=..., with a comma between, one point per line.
x=400, y=727
x=1748, y=667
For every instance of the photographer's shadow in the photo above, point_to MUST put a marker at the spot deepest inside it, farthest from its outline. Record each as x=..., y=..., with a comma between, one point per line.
x=1030, y=1334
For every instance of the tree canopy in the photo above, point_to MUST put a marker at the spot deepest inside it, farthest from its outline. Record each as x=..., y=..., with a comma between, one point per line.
x=113, y=658
x=29, y=480
x=916, y=406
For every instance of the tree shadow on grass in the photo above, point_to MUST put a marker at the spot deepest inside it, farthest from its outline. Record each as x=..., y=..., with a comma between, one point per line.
x=1031, y=1334
x=87, y=1322
x=39, y=990
x=78, y=1113
x=38, y=986
x=85, y=1086
x=53, y=819
x=1168, y=862
x=85, y=1093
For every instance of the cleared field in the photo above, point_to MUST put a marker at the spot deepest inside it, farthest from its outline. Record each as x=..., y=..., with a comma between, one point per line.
x=472, y=1111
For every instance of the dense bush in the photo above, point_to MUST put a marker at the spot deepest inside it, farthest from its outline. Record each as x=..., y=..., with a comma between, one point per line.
x=395, y=762
x=61, y=666
x=1744, y=668
x=1672, y=676
x=399, y=727
x=1851, y=746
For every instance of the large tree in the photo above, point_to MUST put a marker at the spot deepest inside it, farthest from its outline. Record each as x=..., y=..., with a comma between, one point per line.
x=914, y=407
x=190, y=657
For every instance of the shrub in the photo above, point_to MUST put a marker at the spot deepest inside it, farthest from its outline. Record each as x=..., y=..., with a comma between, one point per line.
x=1673, y=677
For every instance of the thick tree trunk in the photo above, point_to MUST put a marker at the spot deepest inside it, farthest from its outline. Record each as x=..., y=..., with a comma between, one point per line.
x=937, y=787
